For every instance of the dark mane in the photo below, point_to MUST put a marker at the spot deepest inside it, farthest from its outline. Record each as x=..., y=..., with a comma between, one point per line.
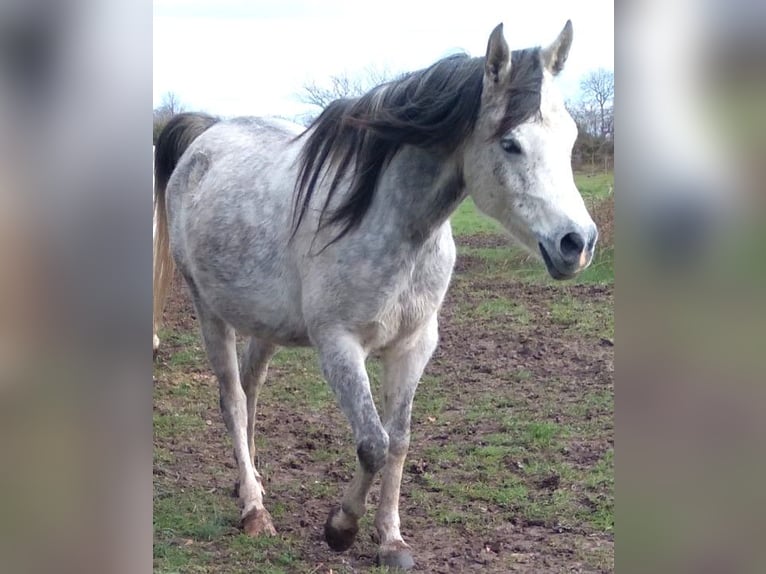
x=434, y=108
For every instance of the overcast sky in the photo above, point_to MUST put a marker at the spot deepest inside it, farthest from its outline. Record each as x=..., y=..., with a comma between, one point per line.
x=243, y=57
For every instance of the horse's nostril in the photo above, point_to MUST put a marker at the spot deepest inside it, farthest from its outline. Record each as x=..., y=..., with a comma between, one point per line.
x=571, y=246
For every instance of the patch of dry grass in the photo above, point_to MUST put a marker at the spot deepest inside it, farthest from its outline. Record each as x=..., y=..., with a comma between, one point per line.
x=602, y=211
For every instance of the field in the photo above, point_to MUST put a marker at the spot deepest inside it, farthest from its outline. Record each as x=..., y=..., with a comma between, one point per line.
x=511, y=467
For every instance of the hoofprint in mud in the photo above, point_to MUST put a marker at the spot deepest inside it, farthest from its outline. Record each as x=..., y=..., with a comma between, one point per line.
x=339, y=238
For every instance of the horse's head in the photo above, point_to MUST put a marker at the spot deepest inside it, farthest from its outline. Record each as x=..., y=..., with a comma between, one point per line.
x=517, y=162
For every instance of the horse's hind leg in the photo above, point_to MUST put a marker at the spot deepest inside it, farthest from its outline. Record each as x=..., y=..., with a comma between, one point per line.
x=342, y=360
x=220, y=343
x=255, y=365
x=402, y=369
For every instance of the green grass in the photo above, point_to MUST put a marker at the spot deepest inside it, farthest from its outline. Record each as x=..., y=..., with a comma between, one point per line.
x=190, y=526
x=428, y=399
x=583, y=316
x=187, y=358
x=593, y=404
x=177, y=424
x=539, y=435
x=601, y=270
x=194, y=514
x=298, y=359
x=597, y=499
x=594, y=186
x=467, y=220
x=497, y=308
x=533, y=448
x=187, y=349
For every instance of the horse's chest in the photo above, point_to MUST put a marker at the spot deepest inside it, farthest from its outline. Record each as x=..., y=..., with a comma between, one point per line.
x=381, y=299
x=405, y=312
x=413, y=308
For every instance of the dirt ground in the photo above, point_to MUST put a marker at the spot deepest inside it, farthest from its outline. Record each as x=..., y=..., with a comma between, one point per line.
x=538, y=362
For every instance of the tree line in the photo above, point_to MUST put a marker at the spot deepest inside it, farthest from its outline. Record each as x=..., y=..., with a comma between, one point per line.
x=593, y=112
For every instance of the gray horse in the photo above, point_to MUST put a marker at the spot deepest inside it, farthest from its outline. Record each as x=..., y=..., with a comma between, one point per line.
x=339, y=238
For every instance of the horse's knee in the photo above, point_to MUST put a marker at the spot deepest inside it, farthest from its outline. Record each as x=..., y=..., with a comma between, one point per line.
x=398, y=443
x=372, y=452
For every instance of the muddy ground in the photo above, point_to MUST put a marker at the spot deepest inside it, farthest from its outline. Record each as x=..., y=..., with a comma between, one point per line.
x=510, y=468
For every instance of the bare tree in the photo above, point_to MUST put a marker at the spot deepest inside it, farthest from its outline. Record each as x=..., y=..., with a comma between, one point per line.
x=321, y=95
x=598, y=92
x=593, y=113
x=588, y=141
x=171, y=103
x=342, y=85
x=585, y=116
x=169, y=106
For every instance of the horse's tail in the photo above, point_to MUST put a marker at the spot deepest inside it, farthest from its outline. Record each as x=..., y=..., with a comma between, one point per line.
x=172, y=142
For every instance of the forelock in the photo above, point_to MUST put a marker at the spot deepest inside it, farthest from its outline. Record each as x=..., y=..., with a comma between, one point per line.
x=524, y=91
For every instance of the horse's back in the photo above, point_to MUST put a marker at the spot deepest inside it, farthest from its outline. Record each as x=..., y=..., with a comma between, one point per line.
x=230, y=211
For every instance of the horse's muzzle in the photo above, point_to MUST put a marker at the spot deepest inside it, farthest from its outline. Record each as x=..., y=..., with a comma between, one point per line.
x=569, y=254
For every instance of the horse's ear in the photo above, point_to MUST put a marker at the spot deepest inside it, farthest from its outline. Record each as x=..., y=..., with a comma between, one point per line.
x=497, y=64
x=555, y=55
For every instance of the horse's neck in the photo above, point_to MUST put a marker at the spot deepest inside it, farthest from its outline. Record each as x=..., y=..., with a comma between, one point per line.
x=420, y=190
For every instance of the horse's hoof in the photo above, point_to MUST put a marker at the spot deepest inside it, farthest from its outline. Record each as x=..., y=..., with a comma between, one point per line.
x=257, y=522
x=396, y=556
x=339, y=539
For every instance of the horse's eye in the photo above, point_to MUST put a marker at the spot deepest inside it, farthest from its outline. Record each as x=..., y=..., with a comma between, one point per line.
x=511, y=146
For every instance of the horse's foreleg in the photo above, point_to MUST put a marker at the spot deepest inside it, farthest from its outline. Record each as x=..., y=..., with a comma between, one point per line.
x=342, y=360
x=403, y=367
x=220, y=343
